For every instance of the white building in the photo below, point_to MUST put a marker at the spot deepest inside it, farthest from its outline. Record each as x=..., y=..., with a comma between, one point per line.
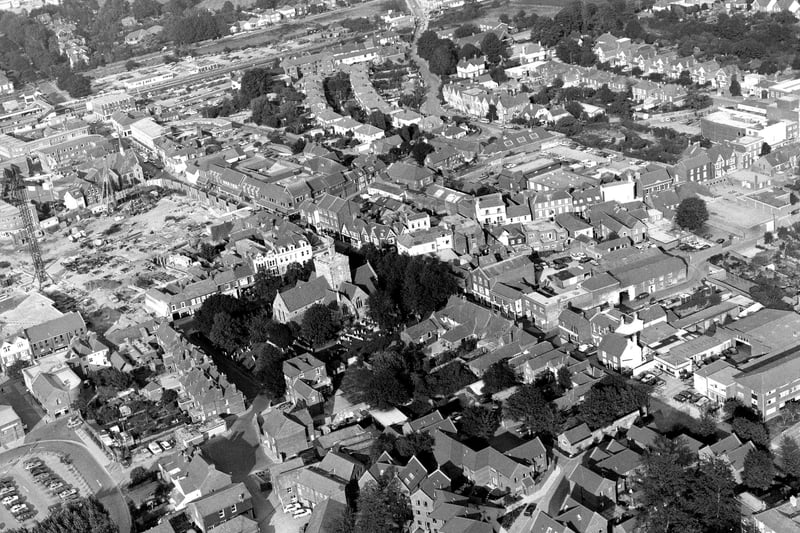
x=14, y=348
x=431, y=241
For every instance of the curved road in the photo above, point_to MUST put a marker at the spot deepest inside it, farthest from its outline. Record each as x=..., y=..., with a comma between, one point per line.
x=95, y=475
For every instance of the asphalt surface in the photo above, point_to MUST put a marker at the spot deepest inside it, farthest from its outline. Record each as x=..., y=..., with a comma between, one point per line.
x=99, y=481
x=431, y=105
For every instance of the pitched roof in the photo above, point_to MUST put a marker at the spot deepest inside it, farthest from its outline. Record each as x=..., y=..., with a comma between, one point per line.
x=68, y=323
x=305, y=293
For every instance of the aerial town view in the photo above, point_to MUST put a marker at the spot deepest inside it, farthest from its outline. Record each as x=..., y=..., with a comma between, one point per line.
x=400, y=266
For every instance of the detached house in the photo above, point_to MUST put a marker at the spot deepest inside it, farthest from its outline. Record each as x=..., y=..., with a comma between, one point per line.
x=471, y=68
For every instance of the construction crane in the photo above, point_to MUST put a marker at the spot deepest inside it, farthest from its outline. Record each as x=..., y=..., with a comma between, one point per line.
x=18, y=195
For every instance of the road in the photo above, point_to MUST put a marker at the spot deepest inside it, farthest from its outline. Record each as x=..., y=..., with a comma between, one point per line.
x=431, y=105
x=96, y=476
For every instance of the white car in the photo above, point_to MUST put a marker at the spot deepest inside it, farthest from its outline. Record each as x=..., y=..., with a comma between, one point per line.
x=20, y=508
x=292, y=507
x=301, y=513
x=8, y=500
x=165, y=444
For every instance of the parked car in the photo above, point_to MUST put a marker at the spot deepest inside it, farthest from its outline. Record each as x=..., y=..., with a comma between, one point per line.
x=32, y=463
x=301, y=513
x=20, y=508
x=680, y=397
x=26, y=515
x=74, y=422
x=7, y=490
x=166, y=444
x=529, y=509
x=55, y=485
x=720, y=241
x=9, y=500
x=64, y=494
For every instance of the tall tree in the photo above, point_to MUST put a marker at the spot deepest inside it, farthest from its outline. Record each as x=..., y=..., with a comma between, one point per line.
x=789, y=454
x=478, y=421
x=319, y=324
x=735, y=89
x=759, y=471
x=493, y=48
x=499, y=376
x=529, y=407
x=382, y=507
x=691, y=214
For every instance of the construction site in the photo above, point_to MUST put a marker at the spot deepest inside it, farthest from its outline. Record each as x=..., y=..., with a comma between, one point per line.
x=99, y=264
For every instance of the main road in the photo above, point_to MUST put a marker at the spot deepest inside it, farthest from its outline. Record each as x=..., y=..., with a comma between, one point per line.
x=431, y=105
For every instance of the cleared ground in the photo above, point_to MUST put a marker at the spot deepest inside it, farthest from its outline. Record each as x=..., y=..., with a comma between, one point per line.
x=106, y=281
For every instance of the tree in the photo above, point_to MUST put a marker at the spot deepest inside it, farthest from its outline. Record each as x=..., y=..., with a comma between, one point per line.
x=469, y=51
x=319, y=324
x=759, y=471
x=417, y=443
x=255, y=82
x=382, y=506
x=611, y=398
x=139, y=475
x=499, y=376
x=691, y=214
x=491, y=114
x=83, y=514
x=564, y=377
x=215, y=304
x=227, y=333
x=735, y=89
x=168, y=398
x=492, y=47
x=142, y=9
x=498, y=74
x=14, y=370
x=465, y=30
x=789, y=454
x=131, y=65
x=529, y=407
x=574, y=108
x=480, y=422
x=765, y=149
x=751, y=430
x=77, y=85
x=426, y=44
x=269, y=369
x=769, y=237
x=707, y=426
x=685, y=78
x=569, y=126
x=444, y=58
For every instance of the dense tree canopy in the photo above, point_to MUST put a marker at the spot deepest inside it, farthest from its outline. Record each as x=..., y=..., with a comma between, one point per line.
x=81, y=515
x=691, y=214
x=759, y=471
x=529, y=407
x=478, y=421
x=679, y=495
x=611, y=398
x=320, y=324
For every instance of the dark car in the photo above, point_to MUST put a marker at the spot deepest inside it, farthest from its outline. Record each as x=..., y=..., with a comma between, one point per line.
x=720, y=241
x=680, y=397
x=643, y=296
x=529, y=509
